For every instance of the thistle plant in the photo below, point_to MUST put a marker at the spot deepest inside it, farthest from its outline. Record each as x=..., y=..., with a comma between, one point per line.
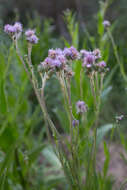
x=59, y=64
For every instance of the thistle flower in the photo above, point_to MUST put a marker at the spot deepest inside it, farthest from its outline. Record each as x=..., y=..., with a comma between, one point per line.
x=29, y=33
x=56, y=63
x=46, y=64
x=56, y=54
x=9, y=29
x=71, y=53
x=84, y=53
x=106, y=23
x=55, y=60
x=81, y=107
x=89, y=59
x=62, y=59
x=33, y=39
x=97, y=53
x=48, y=61
x=18, y=27
x=102, y=64
x=13, y=30
x=59, y=51
x=75, y=123
x=52, y=53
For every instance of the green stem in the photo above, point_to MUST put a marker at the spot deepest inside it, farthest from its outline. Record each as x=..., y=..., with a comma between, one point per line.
x=97, y=117
x=67, y=91
x=21, y=59
x=81, y=83
x=93, y=89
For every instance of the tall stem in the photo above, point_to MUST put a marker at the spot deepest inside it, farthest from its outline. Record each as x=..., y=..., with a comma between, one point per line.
x=21, y=59
x=34, y=84
x=97, y=117
x=81, y=83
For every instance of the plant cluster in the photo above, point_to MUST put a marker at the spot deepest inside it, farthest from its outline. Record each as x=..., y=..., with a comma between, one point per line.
x=60, y=63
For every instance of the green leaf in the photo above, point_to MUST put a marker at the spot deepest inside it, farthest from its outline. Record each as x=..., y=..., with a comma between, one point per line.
x=100, y=24
x=34, y=154
x=51, y=157
x=3, y=102
x=75, y=38
x=106, y=92
x=102, y=131
x=107, y=159
x=7, y=160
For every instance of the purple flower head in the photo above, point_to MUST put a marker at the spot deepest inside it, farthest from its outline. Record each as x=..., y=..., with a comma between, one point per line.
x=102, y=64
x=89, y=60
x=9, y=29
x=85, y=53
x=67, y=52
x=71, y=53
x=106, y=23
x=62, y=59
x=97, y=53
x=47, y=64
x=13, y=30
x=59, y=51
x=52, y=53
x=88, y=65
x=18, y=27
x=33, y=39
x=49, y=61
x=81, y=107
x=57, y=63
x=75, y=123
x=29, y=33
